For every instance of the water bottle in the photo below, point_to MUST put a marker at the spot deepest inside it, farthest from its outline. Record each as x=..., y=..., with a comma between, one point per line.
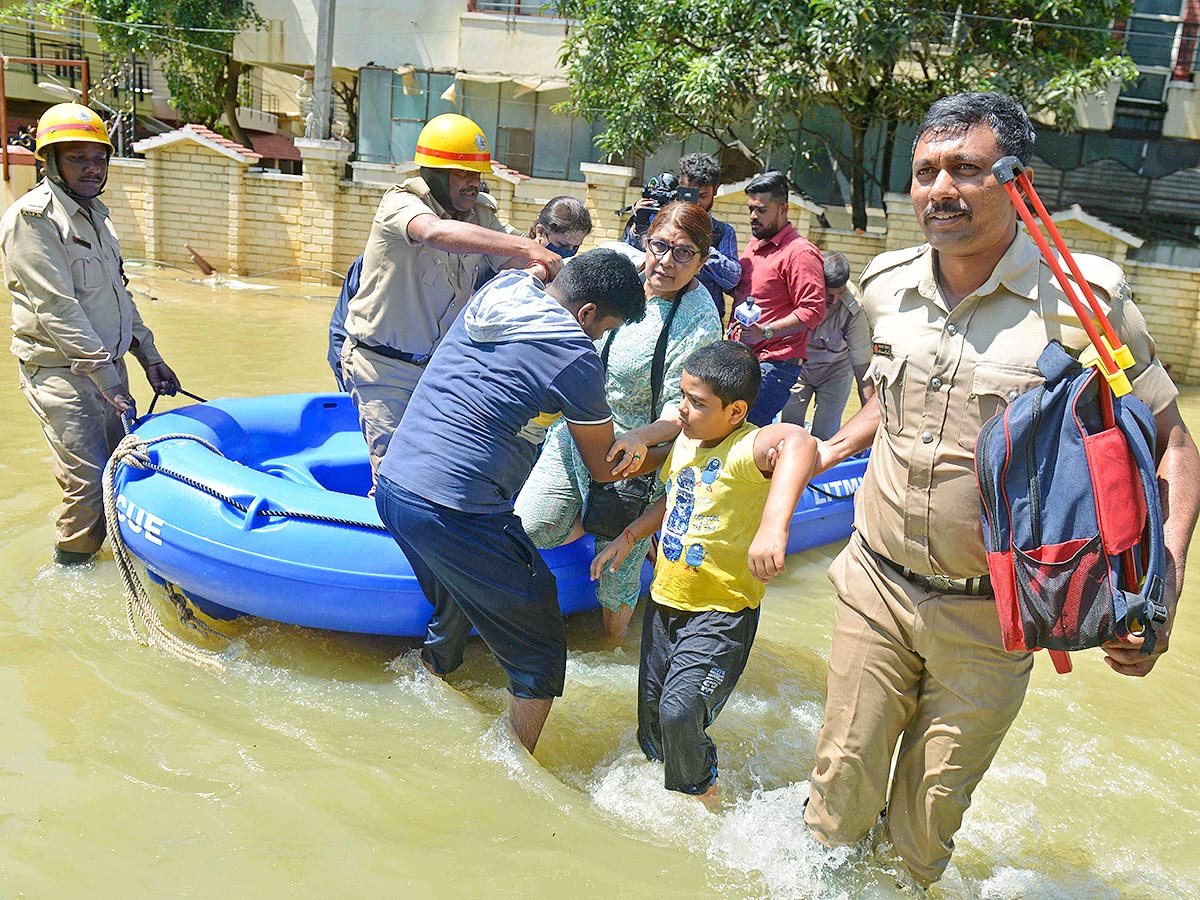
x=746, y=314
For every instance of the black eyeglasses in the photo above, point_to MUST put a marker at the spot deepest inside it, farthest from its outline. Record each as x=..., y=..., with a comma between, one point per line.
x=681, y=253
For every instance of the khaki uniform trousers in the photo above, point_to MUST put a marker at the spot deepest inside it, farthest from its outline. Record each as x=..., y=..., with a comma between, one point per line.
x=925, y=669
x=380, y=388
x=829, y=383
x=82, y=430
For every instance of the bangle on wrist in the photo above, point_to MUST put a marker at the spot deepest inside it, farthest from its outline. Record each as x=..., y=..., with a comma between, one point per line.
x=628, y=535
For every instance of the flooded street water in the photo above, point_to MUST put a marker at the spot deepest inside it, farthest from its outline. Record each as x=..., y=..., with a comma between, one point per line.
x=328, y=765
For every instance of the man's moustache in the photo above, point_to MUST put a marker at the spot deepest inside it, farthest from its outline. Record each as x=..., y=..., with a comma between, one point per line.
x=935, y=208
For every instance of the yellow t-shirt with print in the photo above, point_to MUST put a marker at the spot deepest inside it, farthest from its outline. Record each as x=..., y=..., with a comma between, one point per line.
x=715, y=500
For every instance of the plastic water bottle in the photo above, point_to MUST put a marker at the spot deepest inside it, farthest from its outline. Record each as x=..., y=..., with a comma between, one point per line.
x=746, y=314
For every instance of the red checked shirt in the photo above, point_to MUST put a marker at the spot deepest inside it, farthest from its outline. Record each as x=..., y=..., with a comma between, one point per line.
x=784, y=274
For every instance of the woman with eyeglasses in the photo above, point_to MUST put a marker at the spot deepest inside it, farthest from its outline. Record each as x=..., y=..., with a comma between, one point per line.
x=552, y=499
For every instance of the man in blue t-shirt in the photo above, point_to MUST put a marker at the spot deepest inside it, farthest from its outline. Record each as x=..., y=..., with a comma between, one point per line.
x=520, y=356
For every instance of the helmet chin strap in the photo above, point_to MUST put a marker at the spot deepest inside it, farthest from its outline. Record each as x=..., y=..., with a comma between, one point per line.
x=55, y=175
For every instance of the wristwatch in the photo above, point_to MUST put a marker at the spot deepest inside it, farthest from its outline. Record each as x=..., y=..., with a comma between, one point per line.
x=768, y=332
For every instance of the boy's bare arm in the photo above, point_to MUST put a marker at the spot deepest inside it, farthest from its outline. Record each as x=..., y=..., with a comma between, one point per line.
x=642, y=527
x=795, y=456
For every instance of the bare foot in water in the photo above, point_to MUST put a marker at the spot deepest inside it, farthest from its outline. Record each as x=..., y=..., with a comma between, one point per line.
x=711, y=798
x=429, y=669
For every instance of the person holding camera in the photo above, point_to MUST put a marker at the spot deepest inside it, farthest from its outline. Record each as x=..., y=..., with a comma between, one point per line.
x=657, y=193
x=679, y=318
x=784, y=274
x=722, y=271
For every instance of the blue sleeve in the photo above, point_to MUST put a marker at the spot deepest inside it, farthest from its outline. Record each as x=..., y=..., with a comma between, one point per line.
x=337, y=321
x=579, y=391
x=723, y=265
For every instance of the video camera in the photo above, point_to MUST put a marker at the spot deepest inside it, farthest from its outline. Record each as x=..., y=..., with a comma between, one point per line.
x=662, y=189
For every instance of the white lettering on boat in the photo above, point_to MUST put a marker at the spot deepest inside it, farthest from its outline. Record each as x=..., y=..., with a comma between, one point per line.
x=840, y=489
x=140, y=521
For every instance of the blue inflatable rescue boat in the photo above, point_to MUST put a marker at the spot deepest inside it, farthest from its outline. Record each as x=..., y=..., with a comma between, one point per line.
x=278, y=524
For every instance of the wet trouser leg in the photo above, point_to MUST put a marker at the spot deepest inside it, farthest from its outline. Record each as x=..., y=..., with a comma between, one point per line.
x=691, y=662
x=82, y=429
x=928, y=671
x=380, y=388
x=481, y=570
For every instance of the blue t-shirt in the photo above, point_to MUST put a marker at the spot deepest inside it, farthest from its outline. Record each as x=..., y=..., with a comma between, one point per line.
x=511, y=365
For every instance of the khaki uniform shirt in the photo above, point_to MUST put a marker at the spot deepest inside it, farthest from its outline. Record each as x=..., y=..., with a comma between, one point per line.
x=410, y=293
x=941, y=374
x=71, y=308
x=843, y=330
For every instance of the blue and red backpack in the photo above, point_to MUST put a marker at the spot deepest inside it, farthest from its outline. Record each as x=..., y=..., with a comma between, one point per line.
x=1071, y=514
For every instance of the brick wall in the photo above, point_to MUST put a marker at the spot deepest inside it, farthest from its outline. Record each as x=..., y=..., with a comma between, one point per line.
x=191, y=204
x=125, y=197
x=270, y=233
x=1169, y=298
x=316, y=224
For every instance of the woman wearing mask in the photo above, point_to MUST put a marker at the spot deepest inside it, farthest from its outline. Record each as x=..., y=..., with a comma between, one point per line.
x=550, y=503
x=562, y=226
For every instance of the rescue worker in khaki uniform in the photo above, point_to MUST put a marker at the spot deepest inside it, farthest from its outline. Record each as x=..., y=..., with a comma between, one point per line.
x=917, y=656
x=74, y=319
x=430, y=238
x=839, y=352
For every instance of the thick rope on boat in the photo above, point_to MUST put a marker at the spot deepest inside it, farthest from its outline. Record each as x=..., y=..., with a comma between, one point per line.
x=132, y=451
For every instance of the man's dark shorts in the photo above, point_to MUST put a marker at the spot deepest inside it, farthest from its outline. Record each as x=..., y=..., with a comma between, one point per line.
x=481, y=570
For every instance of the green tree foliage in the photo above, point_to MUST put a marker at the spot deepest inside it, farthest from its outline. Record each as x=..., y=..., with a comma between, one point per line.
x=752, y=70
x=191, y=39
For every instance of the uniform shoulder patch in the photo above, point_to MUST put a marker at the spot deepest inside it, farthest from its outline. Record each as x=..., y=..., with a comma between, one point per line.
x=482, y=199
x=890, y=260
x=35, y=203
x=1101, y=273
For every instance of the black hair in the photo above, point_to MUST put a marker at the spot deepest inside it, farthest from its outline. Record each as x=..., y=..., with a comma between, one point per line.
x=774, y=183
x=699, y=170
x=837, y=269
x=729, y=369
x=1006, y=117
x=606, y=278
x=563, y=215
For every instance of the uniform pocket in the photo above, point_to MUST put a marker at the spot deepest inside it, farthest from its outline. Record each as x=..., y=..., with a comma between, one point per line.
x=993, y=387
x=888, y=375
x=87, y=272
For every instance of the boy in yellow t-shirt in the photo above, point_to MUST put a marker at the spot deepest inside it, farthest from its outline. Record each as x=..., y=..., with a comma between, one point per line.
x=723, y=538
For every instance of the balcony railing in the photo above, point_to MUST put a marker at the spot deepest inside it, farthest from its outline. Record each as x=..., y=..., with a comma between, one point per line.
x=514, y=7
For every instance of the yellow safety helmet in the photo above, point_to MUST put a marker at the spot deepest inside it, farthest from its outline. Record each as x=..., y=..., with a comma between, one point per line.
x=69, y=122
x=451, y=141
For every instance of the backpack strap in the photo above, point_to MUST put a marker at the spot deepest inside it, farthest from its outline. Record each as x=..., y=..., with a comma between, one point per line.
x=658, y=364
x=1146, y=606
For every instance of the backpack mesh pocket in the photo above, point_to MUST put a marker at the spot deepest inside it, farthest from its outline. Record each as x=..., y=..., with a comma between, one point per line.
x=1065, y=593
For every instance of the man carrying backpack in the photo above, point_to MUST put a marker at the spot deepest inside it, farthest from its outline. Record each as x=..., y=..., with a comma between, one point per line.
x=917, y=655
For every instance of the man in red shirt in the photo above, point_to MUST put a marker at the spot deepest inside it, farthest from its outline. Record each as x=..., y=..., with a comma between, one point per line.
x=785, y=275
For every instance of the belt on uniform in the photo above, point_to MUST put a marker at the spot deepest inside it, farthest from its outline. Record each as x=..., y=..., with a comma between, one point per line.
x=414, y=359
x=942, y=584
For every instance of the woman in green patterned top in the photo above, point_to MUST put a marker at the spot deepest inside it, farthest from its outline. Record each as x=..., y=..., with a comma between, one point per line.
x=549, y=505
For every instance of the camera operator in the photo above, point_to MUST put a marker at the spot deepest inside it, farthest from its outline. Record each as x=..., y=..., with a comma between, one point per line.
x=658, y=192
x=721, y=271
